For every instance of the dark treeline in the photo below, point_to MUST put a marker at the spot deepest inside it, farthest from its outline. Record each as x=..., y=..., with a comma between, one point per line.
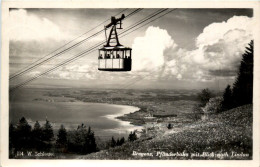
x=81, y=141
x=22, y=137
x=242, y=91
x=118, y=142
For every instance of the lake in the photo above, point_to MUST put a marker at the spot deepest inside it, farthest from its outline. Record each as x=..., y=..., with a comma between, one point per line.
x=101, y=117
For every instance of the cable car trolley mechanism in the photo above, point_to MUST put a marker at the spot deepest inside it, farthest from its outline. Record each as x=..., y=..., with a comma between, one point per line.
x=114, y=56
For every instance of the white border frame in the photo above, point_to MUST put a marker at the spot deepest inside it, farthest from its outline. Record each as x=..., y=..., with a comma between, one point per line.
x=126, y=4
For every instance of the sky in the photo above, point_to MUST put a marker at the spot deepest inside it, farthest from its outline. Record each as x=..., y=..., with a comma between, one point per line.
x=185, y=49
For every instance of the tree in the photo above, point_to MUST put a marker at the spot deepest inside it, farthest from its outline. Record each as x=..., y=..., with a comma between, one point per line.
x=118, y=142
x=132, y=136
x=227, y=102
x=24, y=127
x=204, y=97
x=37, y=130
x=243, y=85
x=122, y=141
x=37, y=126
x=82, y=140
x=37, y=136
x=47, y=132
x=12, y=140
x=23, y=132
x=213, y=106
x=12, y=136
x=61, y=137
x=113, y=142
x=76, y=140
x=196, y=112
x=90, y=142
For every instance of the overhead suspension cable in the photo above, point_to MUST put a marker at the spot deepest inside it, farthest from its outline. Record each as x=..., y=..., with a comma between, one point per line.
x=93, y=48
x=66, y=62
x=145, y=19
x=138, y=79
x=71, y=47
x=148, y=22
x=25, y=69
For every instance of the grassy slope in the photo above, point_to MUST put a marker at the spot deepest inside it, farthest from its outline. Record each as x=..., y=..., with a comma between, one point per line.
x=226, y=132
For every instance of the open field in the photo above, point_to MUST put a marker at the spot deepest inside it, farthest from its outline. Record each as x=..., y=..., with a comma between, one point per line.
x=224, y=136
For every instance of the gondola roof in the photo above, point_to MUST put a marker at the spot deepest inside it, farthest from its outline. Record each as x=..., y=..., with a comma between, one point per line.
x=115, y=48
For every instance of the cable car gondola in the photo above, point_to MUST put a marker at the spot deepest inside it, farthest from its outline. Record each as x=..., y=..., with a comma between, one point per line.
x=113, y=56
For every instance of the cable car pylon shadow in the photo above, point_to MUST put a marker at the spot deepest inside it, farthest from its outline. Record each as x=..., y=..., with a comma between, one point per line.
x=113, y=56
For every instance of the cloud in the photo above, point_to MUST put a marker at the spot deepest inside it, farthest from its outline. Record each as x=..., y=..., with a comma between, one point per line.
x=216, y=31
x=149, y=49
x=225, y=73
x=26, y=27
x=218, y=52
x=76, y=72
x=156, y=56
x=220, y=46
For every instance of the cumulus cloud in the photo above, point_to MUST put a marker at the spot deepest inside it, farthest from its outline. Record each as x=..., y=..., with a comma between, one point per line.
x=26, y=27
x=216, y=31
x=226, y=48
x=218, y=52
x=149, y=49
x=220, y=46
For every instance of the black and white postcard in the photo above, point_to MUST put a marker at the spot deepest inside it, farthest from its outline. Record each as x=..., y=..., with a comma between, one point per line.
x=114, y=80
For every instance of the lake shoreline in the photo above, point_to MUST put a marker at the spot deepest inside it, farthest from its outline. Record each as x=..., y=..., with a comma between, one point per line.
x=122, y=116
x=54, y=106
x=135, y=118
